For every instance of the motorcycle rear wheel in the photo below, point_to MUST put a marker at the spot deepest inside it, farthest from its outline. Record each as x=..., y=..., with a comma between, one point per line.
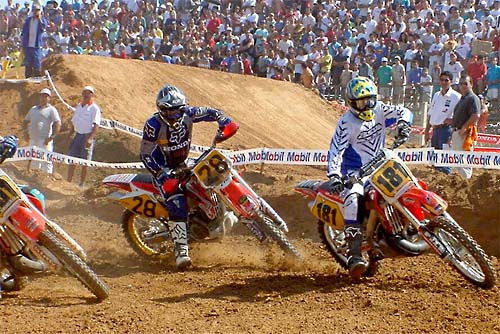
x=134, y=234
x=74, y=265
x=270, y=229
x=469, y=259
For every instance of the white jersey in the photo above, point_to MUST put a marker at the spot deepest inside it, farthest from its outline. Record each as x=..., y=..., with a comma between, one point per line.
x=356, y=142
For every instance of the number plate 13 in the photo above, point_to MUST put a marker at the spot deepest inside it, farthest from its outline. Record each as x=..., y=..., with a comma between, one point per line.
x=390, y=178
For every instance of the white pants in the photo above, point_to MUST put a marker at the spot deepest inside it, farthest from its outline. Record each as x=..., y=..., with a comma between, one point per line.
x=457, y=144
x=47, y=167
x=351, y=200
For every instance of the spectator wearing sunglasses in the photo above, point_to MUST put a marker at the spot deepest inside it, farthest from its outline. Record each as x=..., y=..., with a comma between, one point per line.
x=440, y=115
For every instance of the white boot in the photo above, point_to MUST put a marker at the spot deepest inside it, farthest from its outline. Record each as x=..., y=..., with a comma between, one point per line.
x=178, y=230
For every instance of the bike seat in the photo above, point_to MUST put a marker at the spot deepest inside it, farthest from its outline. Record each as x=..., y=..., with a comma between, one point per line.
x=144, y=182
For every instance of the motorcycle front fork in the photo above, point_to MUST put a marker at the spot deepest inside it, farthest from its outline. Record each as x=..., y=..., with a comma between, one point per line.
x=423, y=231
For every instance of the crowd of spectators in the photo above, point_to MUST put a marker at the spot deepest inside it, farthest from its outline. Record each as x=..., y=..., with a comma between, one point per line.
x=401, y=43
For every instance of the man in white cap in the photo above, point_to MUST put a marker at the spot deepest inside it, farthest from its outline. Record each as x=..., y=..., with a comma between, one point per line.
x=86, y=120
x=41, y=125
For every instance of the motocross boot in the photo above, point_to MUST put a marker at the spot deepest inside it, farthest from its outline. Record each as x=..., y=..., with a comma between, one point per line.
x=357, y=265
x=178, y=230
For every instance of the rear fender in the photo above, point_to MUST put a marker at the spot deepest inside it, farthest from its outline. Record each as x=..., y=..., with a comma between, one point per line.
x=308, y=188
x=120, y=181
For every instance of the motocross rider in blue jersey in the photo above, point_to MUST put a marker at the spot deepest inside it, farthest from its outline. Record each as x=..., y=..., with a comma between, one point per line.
x=165, y=146
x=358, y=138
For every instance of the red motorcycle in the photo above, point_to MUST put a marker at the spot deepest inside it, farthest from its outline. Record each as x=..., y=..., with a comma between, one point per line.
x=30, y=243
x=404, y=219
x=218, y=197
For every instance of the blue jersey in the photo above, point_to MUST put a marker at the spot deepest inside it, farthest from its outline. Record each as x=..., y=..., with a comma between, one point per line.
x=164, y=146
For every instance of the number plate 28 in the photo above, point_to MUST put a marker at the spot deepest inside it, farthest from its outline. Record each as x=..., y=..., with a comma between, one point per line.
x=213, y=170
x=144, y=206
x=328, y=212
x=390, y=178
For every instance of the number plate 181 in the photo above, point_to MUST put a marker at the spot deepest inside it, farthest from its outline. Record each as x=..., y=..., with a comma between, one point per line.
x=390, y=178
x=328, y=212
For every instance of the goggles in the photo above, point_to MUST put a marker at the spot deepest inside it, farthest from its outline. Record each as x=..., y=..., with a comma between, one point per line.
x=171, y=113
x=365, y=103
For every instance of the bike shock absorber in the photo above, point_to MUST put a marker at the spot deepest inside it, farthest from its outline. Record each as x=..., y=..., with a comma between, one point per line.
x=274, y=215
x=256, y=231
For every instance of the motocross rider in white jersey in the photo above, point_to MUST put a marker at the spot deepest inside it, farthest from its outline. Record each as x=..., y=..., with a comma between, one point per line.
x=358, y=138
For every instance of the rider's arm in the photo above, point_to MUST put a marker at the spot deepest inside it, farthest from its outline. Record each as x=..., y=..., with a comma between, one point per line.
x=151, y=154
x=393, y=114
x=338, y=144
x=204, y=114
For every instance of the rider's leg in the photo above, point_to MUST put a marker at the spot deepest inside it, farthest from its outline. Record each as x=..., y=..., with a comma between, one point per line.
x=353, y=216
x=178, y=213
x=175, y=202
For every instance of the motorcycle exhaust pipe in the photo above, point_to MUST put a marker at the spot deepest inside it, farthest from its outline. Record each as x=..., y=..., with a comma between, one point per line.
x=25, y=265
x=408, y=247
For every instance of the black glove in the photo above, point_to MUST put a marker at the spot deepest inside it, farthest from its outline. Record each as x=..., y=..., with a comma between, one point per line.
x=404, y=130
x=336, y=185
x=9, y=146
x=219, y=138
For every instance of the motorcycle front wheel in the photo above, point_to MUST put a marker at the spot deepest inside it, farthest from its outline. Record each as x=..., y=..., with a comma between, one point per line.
x=74, y=265
x=146, y=236
x=272, y=230
x=467, y=257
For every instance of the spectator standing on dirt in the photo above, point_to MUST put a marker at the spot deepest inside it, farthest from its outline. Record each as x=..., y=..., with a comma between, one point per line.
x=41, y=125
x=32, y=43
x=85, y=121
x=465, y=116
x=440, y=115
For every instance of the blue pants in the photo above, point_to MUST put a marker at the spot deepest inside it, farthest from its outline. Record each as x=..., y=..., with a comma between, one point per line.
x=33, y=61
x=173, y=199
x=441, y=136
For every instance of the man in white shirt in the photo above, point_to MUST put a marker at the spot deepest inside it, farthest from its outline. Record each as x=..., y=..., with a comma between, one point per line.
x=471, y=23
x=252, y=17
x=308, y=19
x=370, y=24
x=41, y=125
x=440, y=115
x=435, y=53
x=86, y=120
x=455, y=68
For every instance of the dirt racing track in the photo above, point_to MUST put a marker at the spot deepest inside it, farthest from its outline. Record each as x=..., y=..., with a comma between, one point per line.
x=236, y=285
